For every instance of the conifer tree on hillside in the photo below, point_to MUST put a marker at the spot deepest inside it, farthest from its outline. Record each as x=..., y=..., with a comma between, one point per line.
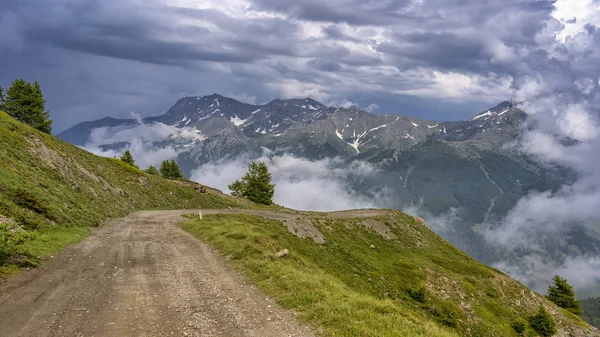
x=562, y=294
x=255, y=184
x=170, y=170
x=25, y=102
x=152, y=170
x=128, y=158
x=542, y=323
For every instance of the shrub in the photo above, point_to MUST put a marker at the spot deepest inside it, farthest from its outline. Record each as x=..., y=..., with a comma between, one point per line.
x=12, y=238
x=418, y=295
x=543, y=323
x=23, y=198
x=447, y=313
x=152, y=170
x=518, y=326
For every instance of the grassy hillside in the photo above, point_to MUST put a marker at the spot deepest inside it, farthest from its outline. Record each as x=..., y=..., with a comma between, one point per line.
x=60, y=191
x=358, y=283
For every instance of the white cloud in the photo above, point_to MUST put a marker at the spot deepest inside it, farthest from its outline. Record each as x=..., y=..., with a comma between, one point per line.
x=460, y=86
x=342, y=103
x=299, y=183
x=557, y=85
x=582, y=272
x=372, y=107
x=146, y=142
x=244, y=98
x=575, y=15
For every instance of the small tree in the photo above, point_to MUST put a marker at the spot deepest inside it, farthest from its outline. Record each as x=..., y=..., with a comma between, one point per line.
x=237, y=188
x=128, y=158
x=152, y=170
x=255, y=184
x=170, y=170
x=562, y=294
x=25, y=102
x=543, y=323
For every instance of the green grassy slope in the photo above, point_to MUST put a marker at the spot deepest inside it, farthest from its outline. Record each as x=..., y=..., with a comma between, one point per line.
x=346, y=287
x=61, y=191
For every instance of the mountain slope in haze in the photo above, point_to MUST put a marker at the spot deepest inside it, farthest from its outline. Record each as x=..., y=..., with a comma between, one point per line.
x=61, y=191
x=376, y=273
x=591, y=311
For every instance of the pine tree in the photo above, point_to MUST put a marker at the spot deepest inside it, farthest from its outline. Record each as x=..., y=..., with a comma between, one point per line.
x=255, y=184
x=542, y=323
x=165, y=169
x=175, y=171
x=25, y=102
x=128, y=158
x=562, y=294
x=152, y=170
x=170, y=170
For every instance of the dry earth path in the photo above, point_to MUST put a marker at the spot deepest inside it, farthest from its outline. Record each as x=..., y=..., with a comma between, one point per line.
x=144, y=276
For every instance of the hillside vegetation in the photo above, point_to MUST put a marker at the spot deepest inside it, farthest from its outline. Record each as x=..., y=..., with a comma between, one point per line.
x=386, y=275
x=58, y=191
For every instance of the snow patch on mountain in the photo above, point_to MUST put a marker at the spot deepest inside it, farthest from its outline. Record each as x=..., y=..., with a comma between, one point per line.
x=486, y=114
x=237, y=121
x=181, y=121
x=377, y=128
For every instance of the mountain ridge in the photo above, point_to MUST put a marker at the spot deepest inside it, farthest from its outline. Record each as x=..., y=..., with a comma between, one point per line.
x=353, y=127
x=463, y=175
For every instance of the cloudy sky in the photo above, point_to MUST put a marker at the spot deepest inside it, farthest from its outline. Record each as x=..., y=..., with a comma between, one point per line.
x=438, y=59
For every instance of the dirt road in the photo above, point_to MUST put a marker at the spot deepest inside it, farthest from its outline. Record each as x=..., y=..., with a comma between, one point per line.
x=140, y=276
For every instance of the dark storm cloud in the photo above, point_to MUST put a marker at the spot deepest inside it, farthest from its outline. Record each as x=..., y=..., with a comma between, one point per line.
x=149, y=35
x=447, y=51
x=161, y=49
x=354, y=12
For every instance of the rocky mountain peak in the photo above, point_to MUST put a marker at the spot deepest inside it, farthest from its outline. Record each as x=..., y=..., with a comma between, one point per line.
x=311, y=126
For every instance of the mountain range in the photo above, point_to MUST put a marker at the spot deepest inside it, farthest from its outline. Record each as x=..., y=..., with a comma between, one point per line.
x=307, y=128
x=464, y=175
x=349, y=273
